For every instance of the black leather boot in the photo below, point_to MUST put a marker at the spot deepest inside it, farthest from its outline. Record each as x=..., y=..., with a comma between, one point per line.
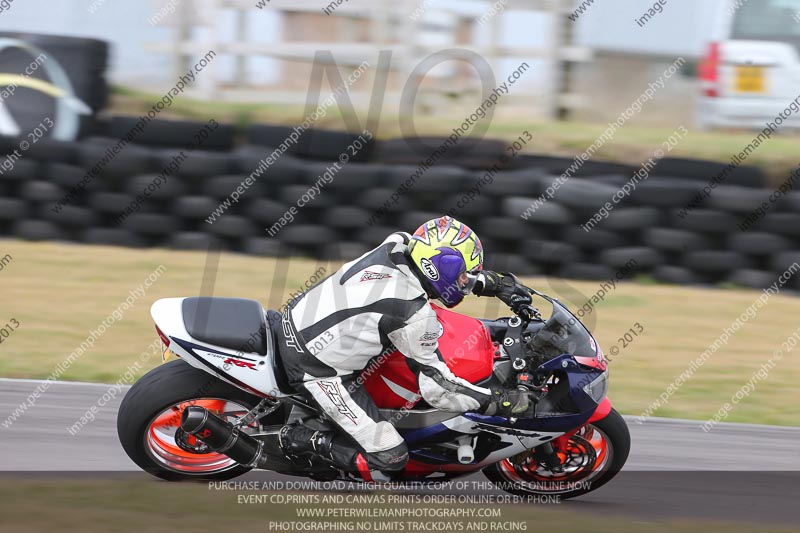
x=297, y=440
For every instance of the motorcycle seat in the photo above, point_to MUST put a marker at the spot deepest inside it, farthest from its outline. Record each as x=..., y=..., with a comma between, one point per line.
x=234, y=323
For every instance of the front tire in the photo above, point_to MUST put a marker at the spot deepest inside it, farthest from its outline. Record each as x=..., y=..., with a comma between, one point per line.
x=595, y=455
x=149, y=418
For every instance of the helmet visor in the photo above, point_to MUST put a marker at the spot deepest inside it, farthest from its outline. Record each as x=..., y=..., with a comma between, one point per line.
x=466, y=282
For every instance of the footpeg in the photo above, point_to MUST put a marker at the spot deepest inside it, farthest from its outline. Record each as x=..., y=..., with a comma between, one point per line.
x=227, y=439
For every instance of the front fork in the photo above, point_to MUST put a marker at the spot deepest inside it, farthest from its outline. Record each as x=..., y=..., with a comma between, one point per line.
x=560, y=444
x=547, y=454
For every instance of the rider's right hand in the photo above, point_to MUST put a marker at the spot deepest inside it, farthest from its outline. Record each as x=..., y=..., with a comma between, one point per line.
x=508, y=402
x=507, y=288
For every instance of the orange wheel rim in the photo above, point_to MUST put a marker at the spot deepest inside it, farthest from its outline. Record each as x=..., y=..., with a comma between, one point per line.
x=174, y=450
x=586, y=454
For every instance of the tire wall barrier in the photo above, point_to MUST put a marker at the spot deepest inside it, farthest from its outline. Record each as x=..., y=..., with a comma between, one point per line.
x=59, y=77
x=340, y=220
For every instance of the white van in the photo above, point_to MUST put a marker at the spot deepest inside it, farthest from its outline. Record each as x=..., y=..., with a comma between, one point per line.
x=752, y=68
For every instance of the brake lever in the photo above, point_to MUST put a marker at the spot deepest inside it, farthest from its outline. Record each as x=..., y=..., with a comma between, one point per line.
x=528, y=312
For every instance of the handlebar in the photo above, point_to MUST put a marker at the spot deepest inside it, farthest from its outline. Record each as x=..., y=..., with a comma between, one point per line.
x=528, y=312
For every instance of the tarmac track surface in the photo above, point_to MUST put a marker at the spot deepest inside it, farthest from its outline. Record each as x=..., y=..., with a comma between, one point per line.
x=736, y=472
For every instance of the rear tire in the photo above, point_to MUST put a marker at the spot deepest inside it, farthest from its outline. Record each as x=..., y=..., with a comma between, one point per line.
x=619, y=440
x=165, y=386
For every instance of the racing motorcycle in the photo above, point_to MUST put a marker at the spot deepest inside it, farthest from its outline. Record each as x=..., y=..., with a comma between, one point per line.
x=213, y=409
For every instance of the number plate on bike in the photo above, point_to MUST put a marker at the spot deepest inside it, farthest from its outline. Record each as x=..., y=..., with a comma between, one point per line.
x=166, y=355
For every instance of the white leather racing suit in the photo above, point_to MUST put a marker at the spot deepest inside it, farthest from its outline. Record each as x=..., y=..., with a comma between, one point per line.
x=334, y=330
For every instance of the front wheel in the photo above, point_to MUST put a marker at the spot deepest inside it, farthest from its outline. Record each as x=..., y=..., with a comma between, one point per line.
x=148, y=422
x=591, y=458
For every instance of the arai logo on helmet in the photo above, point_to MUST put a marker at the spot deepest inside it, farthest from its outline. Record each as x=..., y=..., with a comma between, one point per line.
x=429, y=269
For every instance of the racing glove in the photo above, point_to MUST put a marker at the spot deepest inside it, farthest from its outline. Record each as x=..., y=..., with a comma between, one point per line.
x=506, y=287
x=508, y=402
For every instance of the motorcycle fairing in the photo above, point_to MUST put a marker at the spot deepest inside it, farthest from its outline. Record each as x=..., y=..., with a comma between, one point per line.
x=515, y=435
x=465, y=345
x=247, y=370
x=505, y=443
x=576, y=404
x=508, y=437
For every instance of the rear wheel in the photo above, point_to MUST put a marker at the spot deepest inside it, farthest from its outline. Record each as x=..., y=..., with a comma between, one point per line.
x=590, y=459
x=148, y=423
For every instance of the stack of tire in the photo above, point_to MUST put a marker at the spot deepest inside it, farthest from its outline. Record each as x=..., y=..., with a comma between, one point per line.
x=38, y=182
x=359, y=204
x=654, y=228
x=83, y=61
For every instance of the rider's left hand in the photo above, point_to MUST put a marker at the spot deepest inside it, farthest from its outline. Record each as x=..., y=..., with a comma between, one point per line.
x=508, y=403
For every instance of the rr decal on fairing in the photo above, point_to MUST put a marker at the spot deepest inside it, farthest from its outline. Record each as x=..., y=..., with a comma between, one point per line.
x=240, y=364
x=220, y=355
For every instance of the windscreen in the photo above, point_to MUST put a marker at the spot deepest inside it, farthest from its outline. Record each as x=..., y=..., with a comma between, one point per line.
x=563, y=333
x=768, y=20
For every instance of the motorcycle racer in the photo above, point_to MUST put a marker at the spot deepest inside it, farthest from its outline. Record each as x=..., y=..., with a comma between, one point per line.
x=329, y=334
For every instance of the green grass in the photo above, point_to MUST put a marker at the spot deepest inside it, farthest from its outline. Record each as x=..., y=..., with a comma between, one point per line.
x=633, y=144
x=60, y=292
x=109, y=506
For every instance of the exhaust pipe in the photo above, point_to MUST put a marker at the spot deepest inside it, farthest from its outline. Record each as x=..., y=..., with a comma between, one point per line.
x=222, y=437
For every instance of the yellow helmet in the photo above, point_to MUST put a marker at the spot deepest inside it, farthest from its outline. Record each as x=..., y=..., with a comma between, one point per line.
x=443, y=250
